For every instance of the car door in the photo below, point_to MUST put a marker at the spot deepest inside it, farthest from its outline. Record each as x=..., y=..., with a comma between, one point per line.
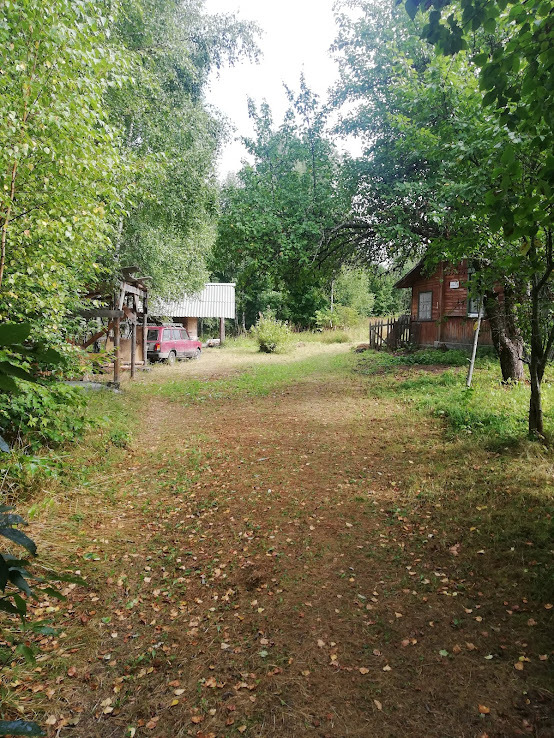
x=189, y=346
x=168, y=343
x=179, y=343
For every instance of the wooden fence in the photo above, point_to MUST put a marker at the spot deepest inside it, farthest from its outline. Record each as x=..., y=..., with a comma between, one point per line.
x=389, y=333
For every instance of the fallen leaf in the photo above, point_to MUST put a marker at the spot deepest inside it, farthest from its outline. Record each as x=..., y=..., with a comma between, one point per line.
x=387, y=668
x=519, y=666
x=197, y=719
x=363, y=670
x=484, y=710
x=378, y=705
x=242, y=729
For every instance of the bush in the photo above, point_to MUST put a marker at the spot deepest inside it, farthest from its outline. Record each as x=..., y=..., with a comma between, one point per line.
x=272, y=335
x=340, y=317
x=43, y=414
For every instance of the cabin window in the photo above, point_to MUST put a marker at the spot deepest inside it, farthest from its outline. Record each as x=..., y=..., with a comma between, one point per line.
x=424, y=305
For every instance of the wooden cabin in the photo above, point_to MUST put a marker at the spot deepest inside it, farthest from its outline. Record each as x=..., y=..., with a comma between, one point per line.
x=442, y=313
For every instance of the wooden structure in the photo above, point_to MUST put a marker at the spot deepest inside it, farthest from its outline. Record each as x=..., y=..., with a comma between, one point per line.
x=216, y=300
x=392, y=333
x=442, y=313
x=122, y=323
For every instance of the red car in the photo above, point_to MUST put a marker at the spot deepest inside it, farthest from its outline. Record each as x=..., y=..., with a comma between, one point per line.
x=171, y=342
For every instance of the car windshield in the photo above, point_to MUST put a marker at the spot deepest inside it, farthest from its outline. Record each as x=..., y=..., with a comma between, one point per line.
x=152, y=335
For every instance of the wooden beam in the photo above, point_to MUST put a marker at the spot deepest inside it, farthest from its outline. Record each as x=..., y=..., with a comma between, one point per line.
x=131, y=290
x=130, y=315
x=100, y=313
x=98, y=335
x=133, y=349
x=145, y=331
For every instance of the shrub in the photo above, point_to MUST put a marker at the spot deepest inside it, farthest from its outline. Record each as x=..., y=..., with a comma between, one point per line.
x=43, y=414
x=272, y=335
x=340, y=317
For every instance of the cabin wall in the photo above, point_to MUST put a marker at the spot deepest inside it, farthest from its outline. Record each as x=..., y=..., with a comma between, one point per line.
x=450, y=324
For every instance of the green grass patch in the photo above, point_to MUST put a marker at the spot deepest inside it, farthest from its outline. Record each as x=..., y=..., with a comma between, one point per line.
x=489, y=408
x=253, y=381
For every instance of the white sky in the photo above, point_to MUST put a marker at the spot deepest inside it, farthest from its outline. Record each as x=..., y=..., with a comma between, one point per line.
x=297, y=36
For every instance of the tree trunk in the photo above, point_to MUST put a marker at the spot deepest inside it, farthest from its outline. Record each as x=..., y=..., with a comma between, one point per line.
x=536, y=425
x=537, y=365
x=506, y=335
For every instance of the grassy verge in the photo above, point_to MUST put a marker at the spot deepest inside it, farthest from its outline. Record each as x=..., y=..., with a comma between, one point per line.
x=434, y=381
x=490, y=489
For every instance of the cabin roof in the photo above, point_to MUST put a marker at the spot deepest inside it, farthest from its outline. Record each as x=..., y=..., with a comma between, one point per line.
x=216, y=300
x=409, y=279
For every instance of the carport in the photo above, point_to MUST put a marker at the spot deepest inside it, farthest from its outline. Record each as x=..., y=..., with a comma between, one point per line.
x=216, y=300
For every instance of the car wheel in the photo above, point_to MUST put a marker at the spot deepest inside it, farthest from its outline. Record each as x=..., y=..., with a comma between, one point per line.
x=172, y=358
x=196, y=354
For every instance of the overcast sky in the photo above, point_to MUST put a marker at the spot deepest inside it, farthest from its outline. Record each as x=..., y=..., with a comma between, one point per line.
x=297, y=36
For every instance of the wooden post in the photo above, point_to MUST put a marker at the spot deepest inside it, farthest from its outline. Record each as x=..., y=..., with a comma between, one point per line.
x=221, y=331
x=133, y=350
x=144, y=330
x=117, y=357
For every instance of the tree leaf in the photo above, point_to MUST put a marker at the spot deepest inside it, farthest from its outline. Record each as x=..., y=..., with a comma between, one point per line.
x=17, y=536
x=14, y=333
x=20, y=727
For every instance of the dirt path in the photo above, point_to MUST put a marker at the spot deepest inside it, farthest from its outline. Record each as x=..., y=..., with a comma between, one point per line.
x=268, y=571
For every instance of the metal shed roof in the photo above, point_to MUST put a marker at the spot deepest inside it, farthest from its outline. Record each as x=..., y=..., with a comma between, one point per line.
x=217, y=300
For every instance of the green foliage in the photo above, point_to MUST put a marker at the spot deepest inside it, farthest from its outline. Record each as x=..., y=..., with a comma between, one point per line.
x=170, y=137
x=43, y=415
x=272, y=335
x=515, y=75
x=18, y=582
x=35, y=409
x=446, y=168
x=58, y=155
x=351, y=288
x=340, y=316
x=275, y=212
